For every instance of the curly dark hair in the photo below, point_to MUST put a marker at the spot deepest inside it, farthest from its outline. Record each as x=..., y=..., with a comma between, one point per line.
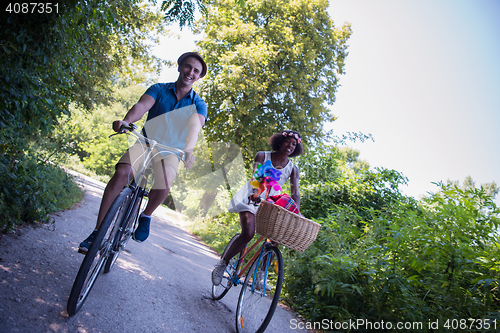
x=277, y=139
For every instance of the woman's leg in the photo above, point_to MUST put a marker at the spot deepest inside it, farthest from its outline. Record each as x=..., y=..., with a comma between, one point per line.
x=247, y=222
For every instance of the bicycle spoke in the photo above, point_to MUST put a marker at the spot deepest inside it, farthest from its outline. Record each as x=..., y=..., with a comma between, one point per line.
x=125, y=229
x=93, y=273
x=260, y=293
x=227, y=279
x=96, y=256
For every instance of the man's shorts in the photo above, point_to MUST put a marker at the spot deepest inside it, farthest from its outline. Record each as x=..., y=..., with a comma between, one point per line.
x=134, y=156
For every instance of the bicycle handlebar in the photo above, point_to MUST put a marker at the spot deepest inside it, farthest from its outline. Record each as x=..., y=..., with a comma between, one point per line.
x=132, y=129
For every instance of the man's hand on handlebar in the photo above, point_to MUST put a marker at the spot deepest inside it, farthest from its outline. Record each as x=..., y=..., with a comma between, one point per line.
x=120, y=127
x=117, y=126
x=189, y=162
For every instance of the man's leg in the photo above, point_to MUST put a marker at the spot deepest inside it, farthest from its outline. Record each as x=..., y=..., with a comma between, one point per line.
x=119, y=180
x=164, y=176
x=115, y=185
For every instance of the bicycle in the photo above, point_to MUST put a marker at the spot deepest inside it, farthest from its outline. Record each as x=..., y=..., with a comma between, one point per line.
x=119, y=223
x=261, y=287
x=262, y=284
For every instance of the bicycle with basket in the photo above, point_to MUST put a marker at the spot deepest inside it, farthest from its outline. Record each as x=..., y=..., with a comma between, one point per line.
x=261, y=285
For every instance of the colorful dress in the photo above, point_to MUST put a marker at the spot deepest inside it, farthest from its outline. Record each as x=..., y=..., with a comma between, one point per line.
x=239, y=203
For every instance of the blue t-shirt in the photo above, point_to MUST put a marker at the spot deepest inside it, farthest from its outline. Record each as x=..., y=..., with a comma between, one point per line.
x=168, y=118
x=166, y=100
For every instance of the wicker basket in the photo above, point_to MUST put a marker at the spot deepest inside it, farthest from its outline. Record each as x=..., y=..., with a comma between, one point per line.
x=284, y=227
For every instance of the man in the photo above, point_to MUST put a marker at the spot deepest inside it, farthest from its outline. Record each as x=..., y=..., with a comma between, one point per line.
x=176, y=105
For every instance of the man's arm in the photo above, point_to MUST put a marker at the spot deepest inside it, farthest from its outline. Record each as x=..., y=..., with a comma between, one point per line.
x=195, y=123
x=136, y=112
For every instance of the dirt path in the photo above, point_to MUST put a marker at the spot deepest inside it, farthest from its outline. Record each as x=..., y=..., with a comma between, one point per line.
x=161, y=285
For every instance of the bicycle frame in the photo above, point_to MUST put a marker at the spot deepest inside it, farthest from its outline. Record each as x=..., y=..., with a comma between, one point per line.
x=148, y=155
x=139, y=189
x=118, y=224
x=258, y=299
x=256, y=256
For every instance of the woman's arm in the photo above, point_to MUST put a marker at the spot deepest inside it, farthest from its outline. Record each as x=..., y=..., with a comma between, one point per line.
x=259, y=159
x=294, y=186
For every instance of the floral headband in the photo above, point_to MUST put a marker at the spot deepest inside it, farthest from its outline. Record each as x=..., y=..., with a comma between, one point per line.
x=293, y=135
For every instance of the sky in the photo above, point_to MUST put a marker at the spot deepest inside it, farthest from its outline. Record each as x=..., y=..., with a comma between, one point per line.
x=423, y=78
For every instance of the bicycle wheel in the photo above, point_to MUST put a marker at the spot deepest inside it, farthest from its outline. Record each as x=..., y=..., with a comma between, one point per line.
x=125, y=231
x=260, y=293
x=97, y=253
x=227, y=279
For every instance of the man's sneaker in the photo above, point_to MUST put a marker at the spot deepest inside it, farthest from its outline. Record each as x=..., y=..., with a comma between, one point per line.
x=84, y=246
x=142, y=232
x=218, y=272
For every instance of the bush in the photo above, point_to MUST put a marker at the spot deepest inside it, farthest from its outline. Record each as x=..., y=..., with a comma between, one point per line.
x=436, y=262
x=32, y=190
x=218, y=231
x=382, y=256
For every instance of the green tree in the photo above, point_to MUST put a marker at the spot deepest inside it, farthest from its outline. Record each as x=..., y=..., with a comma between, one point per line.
x=87, y=134
x=491, y=189
x=73, y=54
x=272, y=65
x=182, y=11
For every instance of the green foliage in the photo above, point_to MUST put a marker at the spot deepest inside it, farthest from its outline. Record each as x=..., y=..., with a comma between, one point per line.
x=491, y=189
x=50, y=60
x=31, y=190
x=272, y=65
x=404, y=265
x=87, y=134
x=104, y=153
x=218, y=231
x=331, y=175
x=182, y=11
x=382, y=256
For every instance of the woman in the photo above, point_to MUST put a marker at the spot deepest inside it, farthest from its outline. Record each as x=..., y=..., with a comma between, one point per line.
x=284, y=145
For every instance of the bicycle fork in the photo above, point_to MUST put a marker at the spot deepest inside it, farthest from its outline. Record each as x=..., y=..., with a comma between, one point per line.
x=256, y=278
x=123, y=228
x=259, y=257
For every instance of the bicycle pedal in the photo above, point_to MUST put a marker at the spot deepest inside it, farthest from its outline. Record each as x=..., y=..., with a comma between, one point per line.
x=82, y=252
